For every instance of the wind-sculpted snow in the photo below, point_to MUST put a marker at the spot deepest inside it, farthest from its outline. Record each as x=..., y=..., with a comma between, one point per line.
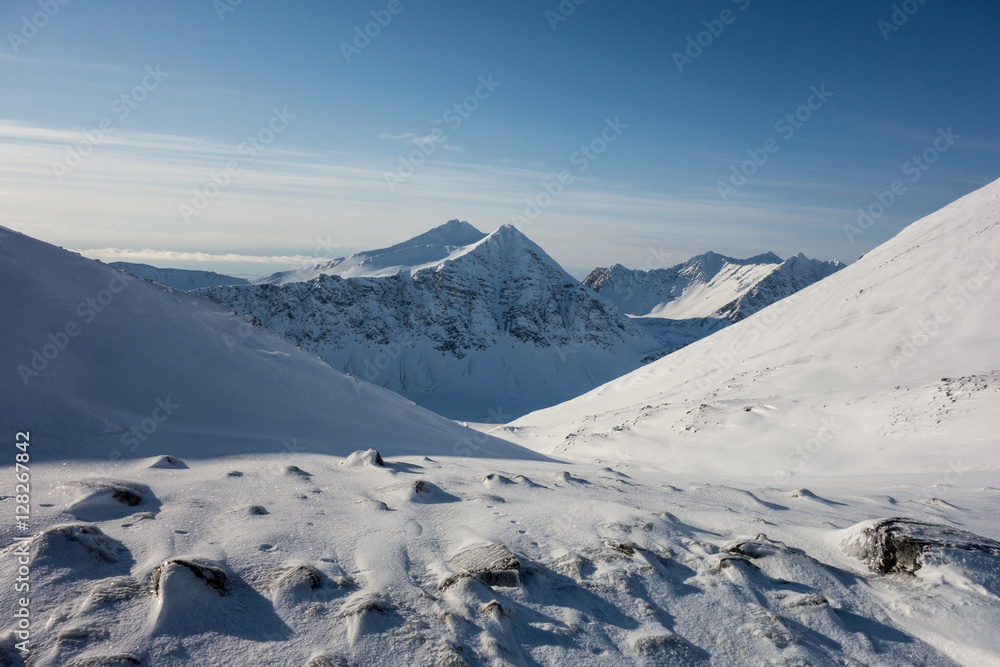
x=514, y=562
x=495, y=329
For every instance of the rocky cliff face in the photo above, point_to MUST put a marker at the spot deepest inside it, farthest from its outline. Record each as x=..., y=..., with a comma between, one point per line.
x=495, y=326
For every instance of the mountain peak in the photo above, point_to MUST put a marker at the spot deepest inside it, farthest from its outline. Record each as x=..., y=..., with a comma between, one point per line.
x=454, y=233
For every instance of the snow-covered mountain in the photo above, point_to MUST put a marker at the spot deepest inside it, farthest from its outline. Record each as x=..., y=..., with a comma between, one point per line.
x=100, y=365
x=236, y=549
x=491, y=329
x=426, y=249
x=892, y=363
x=184, y=279
x=708, y=286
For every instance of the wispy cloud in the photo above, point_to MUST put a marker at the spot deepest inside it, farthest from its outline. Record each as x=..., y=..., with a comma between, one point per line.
x=150, y=255
x=290, y=205
x=420, y=140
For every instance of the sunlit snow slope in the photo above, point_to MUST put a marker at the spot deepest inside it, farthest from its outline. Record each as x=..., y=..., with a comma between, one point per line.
x=892, y=364
x=427, y=248
x=97, y=364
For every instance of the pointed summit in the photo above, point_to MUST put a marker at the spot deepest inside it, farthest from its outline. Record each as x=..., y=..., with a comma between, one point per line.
x=422, y=250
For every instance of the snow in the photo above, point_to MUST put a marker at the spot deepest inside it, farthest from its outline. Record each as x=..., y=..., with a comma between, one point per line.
x=612, y=567
x=709, y=286
x=491, y=331
x=103, y=366
x=423, y=250
x=184, y=279
x=889, y=364
x=720, y=506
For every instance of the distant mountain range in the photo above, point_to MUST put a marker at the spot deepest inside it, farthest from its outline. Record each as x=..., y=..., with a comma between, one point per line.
x=479, y=331
x=486, y=327
x=709, y=285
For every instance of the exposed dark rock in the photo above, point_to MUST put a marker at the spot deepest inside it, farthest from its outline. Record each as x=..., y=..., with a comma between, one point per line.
x=626, y=548
x=127, y=493
x=899, y=544
x=213, y=576
x=493, y=564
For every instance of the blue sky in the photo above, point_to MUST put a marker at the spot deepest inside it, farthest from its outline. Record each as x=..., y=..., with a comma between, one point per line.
x=242, y=138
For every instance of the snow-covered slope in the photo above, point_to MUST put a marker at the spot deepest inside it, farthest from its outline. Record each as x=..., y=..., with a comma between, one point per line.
x=890, y=364
x=100, y=365
x=184, y=279
x=494, y=329
x=708, y=286
x=229, y=551
x=427, y=248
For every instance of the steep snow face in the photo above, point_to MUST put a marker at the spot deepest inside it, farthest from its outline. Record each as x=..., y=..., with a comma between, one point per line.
x=495, y=329
x=101, y=365
x=179, y=278
x=708, y=286
x=427, y=248
x=890, y=364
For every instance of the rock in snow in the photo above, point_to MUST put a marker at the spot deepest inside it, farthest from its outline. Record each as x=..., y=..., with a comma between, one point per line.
x=663, y=535
x=494, y=564
x=900, y=545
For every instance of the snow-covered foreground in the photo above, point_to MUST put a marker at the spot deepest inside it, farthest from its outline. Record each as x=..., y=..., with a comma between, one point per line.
x=690, y=526
x=307, y=559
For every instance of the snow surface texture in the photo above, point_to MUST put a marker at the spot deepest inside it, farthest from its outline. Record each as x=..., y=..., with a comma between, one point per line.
x=100, y=365
x=451, y=561
x=213, y=552
x=892, y=364
x=491, y=331
x=178, y=278
x=708, y=286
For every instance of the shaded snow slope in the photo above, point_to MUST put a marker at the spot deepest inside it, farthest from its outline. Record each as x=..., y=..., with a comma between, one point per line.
x=496, y=329
x=892, y=363
x=178, y=278
x=708, y=286
x=98, y=364
x=427, y=248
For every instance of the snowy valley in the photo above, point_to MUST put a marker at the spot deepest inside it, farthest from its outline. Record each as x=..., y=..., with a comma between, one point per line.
x=814, y=484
